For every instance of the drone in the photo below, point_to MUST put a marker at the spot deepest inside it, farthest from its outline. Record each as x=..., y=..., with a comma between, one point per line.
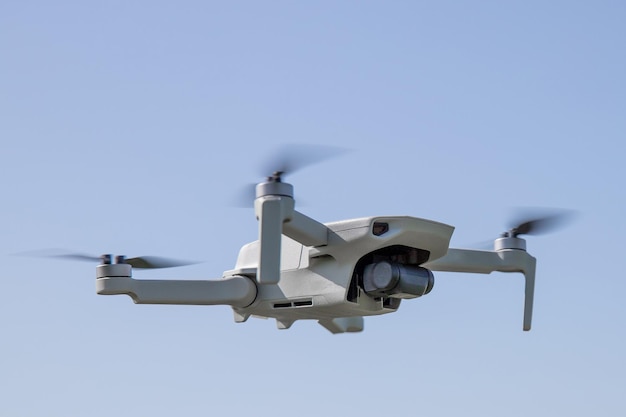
x=336, y=273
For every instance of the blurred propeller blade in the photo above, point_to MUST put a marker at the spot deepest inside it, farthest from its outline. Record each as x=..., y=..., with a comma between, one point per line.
x=531, y=221
x=60, y=253
x=539, y=221
x=245, y=196
x=155, y=262
x=78, y=257
x=141, y=262
x=293, y=157
x=286, y=160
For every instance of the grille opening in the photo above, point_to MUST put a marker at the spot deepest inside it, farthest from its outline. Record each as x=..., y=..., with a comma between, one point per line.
x=299, y=303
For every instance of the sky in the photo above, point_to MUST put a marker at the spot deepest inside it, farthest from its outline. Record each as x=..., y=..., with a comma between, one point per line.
x=129, y=127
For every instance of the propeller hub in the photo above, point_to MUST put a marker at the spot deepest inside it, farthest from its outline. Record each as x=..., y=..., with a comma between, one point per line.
x=274, y=187
x=509, y=242
x=276, y=176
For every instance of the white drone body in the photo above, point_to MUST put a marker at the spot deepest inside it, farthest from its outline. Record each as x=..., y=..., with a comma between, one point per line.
x=335, y=273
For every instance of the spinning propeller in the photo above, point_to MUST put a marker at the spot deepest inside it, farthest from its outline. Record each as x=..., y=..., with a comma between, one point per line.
x=139, y=262
x=535, y=222
x=285, y=161
x=531, y=222
x=291, y=158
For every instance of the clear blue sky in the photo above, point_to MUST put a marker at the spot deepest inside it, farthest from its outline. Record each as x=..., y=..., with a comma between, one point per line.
x=127, y=127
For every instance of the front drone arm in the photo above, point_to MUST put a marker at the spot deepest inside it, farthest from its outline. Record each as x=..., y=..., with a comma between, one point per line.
x=274, y=208
x=236, y=291
x=485, y=262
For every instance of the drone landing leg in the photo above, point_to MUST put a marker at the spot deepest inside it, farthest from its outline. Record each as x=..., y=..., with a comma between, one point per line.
x=485, y=262
x=236, y=291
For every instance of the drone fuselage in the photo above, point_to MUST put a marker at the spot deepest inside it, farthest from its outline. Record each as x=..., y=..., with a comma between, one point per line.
x=326, y=282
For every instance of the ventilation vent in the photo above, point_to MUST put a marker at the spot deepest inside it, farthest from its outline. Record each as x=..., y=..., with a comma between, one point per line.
x=298, y=303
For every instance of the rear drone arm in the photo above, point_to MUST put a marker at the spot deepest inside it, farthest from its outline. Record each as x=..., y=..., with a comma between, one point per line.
x=485, y=262
x=236, y=291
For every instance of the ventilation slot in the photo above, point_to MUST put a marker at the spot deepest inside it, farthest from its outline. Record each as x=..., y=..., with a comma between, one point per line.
x=299, y=303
